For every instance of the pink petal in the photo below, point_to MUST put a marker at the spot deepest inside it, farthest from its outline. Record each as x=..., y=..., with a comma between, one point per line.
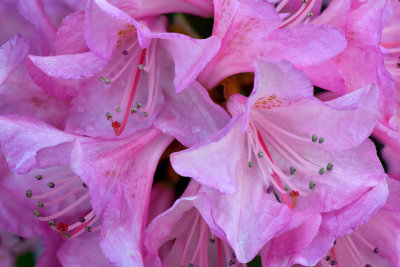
x=214, y=162
x=190, y=128
x=69, y=37
x=119, y=174
x=22, y=137
x=84, y=251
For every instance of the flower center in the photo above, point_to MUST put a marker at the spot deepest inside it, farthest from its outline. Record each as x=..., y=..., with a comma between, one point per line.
x=66, y=197
x=276, y=179
x=144, y=63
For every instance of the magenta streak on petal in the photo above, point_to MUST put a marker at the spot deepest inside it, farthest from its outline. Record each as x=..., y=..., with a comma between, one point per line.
x=118, y=127
x=285, y=197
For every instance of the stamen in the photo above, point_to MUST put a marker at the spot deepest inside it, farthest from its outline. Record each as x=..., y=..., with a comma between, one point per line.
x=28, y=193
x=202, y=229
x=189, y=238
x=81, y=220
x=314, y=138
x=70, y=207
x=311, y=185
x=281, y=5
x=285, y=198
x=117, y=126
x=58, y=189
x=296, y=19
x=65, y=196
x=329, y=166
x=39, y=177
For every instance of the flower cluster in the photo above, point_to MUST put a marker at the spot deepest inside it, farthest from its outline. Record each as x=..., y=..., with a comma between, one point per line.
x=269, y=118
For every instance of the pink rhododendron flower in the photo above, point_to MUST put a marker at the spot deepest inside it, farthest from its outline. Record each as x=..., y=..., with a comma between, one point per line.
x=362, y=62
x=251, y=29
x=136, y=54
x=390, y=46
x=83, y=161
x=306, y=245
x=193, y=245
x=375, y=243
x=94, y=103
x=299, y=163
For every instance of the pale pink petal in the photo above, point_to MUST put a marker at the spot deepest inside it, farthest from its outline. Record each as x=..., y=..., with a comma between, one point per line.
x=69, y=37
x=22, y=137
x=204, y=119
x=215, y=162
x=119, y=175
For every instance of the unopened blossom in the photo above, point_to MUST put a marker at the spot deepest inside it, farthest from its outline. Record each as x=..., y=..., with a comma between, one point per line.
x=255, y=29
x=282, y=140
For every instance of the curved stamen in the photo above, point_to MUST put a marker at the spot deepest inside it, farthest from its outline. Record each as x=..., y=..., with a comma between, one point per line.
x=189, y=238
x=52, y=192
x=65, y=210
x=57, y=200
x=84, y=228
x=119, y=128
x=88, y=217
x=268, y=124
x=281, y=5
x=275, y=168
x=202, y=229
x=296, y=18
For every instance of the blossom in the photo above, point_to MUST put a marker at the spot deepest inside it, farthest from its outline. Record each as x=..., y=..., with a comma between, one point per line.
x=193, y=244
x=254, y=29
x=137, y=48
x=135, y=40
x=84, y=161
x=307, y=245
x=362, y=62
x=374, y=243
x=289, y=143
